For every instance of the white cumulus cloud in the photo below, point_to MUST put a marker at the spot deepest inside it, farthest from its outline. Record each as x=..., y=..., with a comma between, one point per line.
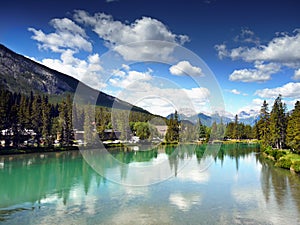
x=283, y=49
x=235, y=91
x=86, y=71
x=157, y=95
x=289, y=90
x=185, y=68
x=67, y=35
x=119, y=35
x=297, y=75
x=261, y=73
x=122, y=80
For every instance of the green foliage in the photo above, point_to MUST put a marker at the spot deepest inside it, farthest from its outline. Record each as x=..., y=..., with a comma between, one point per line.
x=268, y=150
x=278, y=129
x=293, y=129
x=66, y=123
x=88, y=127
x=263, y=124
x=277, y=154
x=296, y=166
x=142, y=130
x=172, y=134
x=278, y=122
x=236, y=130
x=201, y=130
x=284, y=163
x=20, y=113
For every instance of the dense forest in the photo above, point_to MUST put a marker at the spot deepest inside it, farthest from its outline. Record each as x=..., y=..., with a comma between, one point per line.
x=186, y=131
x=33, y=120
x=279, y=128
x=36, y=121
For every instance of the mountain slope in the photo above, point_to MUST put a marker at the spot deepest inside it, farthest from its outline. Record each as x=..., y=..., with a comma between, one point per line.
x=20, y=74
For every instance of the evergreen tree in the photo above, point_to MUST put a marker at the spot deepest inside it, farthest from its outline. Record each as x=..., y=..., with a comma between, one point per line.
x=263, y=124
x=293, y=129
x=22, y=113
x=221, y=130
x=46, y=120
x=214, y=131
x=4, y=113
x=229, y=133
x=201, y=130
x=66, y=123
x=36, y=117
x=236, y=133
x=172, y=134
x=278, y=124
x=89, y=134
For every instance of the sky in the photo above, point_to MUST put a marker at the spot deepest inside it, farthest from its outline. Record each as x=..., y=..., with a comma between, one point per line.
x=192, y=56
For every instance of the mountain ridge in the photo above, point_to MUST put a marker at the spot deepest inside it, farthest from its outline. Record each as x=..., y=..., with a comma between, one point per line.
x=19, y=74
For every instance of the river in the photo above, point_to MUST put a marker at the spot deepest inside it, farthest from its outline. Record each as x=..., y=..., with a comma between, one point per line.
x=185, y=185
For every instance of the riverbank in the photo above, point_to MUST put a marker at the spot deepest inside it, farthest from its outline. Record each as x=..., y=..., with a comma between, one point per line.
x=13, y=151
x=112, y=146
x=283, y=158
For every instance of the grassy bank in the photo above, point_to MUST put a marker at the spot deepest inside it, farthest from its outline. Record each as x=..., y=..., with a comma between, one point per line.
x=283, y=158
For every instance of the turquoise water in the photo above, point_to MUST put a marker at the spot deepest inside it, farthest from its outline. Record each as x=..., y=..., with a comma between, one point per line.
x=164, y=186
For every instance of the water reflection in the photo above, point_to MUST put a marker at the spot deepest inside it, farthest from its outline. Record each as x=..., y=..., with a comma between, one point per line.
x=281, y=183
x=56, y=187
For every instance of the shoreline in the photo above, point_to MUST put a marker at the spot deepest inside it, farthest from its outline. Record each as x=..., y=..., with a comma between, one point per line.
x=42, y=149
x=283, y=158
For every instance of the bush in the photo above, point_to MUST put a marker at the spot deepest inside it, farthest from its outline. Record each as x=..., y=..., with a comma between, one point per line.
x=268, y=150
x=296, y=166
x=284, y=163
x=274, y=153
x=279, y=154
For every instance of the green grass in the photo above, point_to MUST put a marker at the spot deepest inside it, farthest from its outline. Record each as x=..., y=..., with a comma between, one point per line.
x=292, y=156
x=283, y=158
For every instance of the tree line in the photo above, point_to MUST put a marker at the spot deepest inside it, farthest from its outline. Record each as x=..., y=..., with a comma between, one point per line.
x=185, y=131
x=39, y=122
x=279, y=128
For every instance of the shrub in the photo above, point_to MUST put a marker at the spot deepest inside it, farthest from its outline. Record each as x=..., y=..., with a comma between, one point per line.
x=296, y=166
x=284, y=163
x=268, y=150
x=279, y=154
x=274, y=153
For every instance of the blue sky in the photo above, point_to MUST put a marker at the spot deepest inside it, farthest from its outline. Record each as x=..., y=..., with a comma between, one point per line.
x=251, y=47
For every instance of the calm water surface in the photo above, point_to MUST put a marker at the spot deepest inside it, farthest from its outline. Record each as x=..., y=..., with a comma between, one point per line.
x=239, y=187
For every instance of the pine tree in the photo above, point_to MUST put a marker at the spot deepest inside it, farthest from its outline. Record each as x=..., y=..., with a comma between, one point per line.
x=172, y=134
x=229, y=133
x=293, y=129
x=214, y=131
x=69, y=121
x=66, y=123
x=236, y=133
x=46, y=120
x=201, y=130
x=4, y=116
x=221, y=130
x=36, y=117
x=278, y=124
x=263, y=124
x=89, y=134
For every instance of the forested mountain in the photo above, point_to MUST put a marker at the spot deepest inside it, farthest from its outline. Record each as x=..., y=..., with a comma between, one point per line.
x=19, y=74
